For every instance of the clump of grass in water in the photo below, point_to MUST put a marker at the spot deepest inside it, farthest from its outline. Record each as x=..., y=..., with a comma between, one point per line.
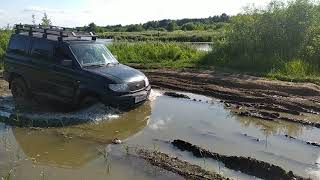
x=8, y=176
x=106, y=157
x=126, y=149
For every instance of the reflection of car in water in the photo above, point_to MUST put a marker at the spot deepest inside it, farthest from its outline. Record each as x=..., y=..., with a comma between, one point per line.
x=74, y=146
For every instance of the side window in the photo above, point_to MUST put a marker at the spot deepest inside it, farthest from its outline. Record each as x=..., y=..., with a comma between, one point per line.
x=19, y=45
x=61, y=53
x=42, y=49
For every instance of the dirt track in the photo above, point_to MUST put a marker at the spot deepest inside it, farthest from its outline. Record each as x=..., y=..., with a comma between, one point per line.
x=255, y=96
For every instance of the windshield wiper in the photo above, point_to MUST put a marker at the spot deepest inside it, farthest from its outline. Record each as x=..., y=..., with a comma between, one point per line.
x=97, y=65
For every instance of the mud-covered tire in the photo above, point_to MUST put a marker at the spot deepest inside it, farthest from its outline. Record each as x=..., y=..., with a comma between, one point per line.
x=19, y=90
x=88, y=101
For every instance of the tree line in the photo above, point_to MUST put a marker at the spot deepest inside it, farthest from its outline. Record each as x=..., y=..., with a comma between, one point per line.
x=213, y=22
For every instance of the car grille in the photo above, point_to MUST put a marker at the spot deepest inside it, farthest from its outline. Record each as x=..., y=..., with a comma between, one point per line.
x=135, y=86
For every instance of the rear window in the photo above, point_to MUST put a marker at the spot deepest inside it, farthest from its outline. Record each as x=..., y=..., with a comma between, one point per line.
x=19, y=44
x=42, y=49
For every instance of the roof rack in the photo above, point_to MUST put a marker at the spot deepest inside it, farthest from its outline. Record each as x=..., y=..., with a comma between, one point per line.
x=60, y=32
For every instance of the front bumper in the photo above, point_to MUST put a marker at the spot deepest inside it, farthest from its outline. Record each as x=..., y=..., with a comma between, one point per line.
x=127, y=100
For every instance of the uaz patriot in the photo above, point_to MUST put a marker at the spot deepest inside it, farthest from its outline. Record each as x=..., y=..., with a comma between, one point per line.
x=69, y=66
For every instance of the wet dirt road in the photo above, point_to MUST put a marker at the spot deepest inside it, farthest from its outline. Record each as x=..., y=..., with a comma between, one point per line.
x=85, y=150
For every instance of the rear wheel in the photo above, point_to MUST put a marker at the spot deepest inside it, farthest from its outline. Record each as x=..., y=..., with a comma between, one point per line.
x=19, y=90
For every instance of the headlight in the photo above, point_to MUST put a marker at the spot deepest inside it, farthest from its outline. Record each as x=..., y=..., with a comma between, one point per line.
x=119, y=87
x=146, y=82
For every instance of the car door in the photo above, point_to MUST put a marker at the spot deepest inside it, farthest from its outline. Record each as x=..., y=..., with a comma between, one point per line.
x=53, y=80
x=42, y=64
x=65, y=78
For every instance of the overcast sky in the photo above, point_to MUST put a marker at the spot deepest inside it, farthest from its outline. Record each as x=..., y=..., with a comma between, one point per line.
x=72, y=13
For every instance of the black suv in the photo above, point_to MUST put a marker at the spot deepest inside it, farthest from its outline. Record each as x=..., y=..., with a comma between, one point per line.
x=69, y=66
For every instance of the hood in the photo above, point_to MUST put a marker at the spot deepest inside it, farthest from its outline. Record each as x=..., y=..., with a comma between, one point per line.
x=118, y=72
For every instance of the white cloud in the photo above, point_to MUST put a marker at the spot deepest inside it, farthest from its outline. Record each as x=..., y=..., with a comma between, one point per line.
x=160, y=124
x=36, y=9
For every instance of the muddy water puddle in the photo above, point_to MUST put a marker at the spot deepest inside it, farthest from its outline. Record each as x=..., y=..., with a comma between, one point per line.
x=85, y=151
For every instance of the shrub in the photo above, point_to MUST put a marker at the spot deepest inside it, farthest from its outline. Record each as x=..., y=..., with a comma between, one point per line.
x=262, y=40
x=4, y=38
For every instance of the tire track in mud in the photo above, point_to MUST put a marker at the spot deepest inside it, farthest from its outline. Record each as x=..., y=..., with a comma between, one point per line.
x=240, y=97
x=183, y=168
x=276, y=117
x=245, y=91
x=237, y=82
x=315, y=144
x=246, y=165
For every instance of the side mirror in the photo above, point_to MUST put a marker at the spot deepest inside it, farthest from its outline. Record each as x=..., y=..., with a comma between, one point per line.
x=66, y=63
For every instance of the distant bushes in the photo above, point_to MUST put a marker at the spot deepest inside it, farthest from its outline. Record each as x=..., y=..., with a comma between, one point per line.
x=159, y=53
x=4, y=38
x=177, y=36
x=200, y=24
x=272, y=40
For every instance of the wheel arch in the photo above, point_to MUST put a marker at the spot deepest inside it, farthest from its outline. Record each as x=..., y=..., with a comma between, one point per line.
x=83, y=93
x=14, y=75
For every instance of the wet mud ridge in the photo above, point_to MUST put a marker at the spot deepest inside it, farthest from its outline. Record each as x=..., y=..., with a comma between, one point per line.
x=315, y=144
x=183, y=168
x=244, y=91
x=276, y=116
x=245, y=165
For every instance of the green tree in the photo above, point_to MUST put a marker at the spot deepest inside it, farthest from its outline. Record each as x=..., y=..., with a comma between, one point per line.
x=172, y=26
x=189, y=26
x=45, y=21
x=92, y=27
x=135, y=28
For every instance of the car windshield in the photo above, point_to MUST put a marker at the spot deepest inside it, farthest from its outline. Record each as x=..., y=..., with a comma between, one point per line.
x=93, y=54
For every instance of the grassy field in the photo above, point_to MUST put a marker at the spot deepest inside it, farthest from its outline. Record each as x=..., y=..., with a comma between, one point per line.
x=176, y=36
x=157, y=54
x=177, y=55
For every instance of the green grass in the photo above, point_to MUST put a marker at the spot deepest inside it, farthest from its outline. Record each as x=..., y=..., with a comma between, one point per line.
x=4, y=38
x=160, y=54
x=176, y=36
x=296, y=71
x=177, y=55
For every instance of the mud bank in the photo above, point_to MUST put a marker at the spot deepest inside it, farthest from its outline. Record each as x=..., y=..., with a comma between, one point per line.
x=245, y=165
x=176, y=95
x=178, y=166
x=241, y=90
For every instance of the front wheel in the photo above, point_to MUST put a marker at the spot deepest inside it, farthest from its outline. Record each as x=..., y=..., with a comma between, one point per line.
x=19, y=90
